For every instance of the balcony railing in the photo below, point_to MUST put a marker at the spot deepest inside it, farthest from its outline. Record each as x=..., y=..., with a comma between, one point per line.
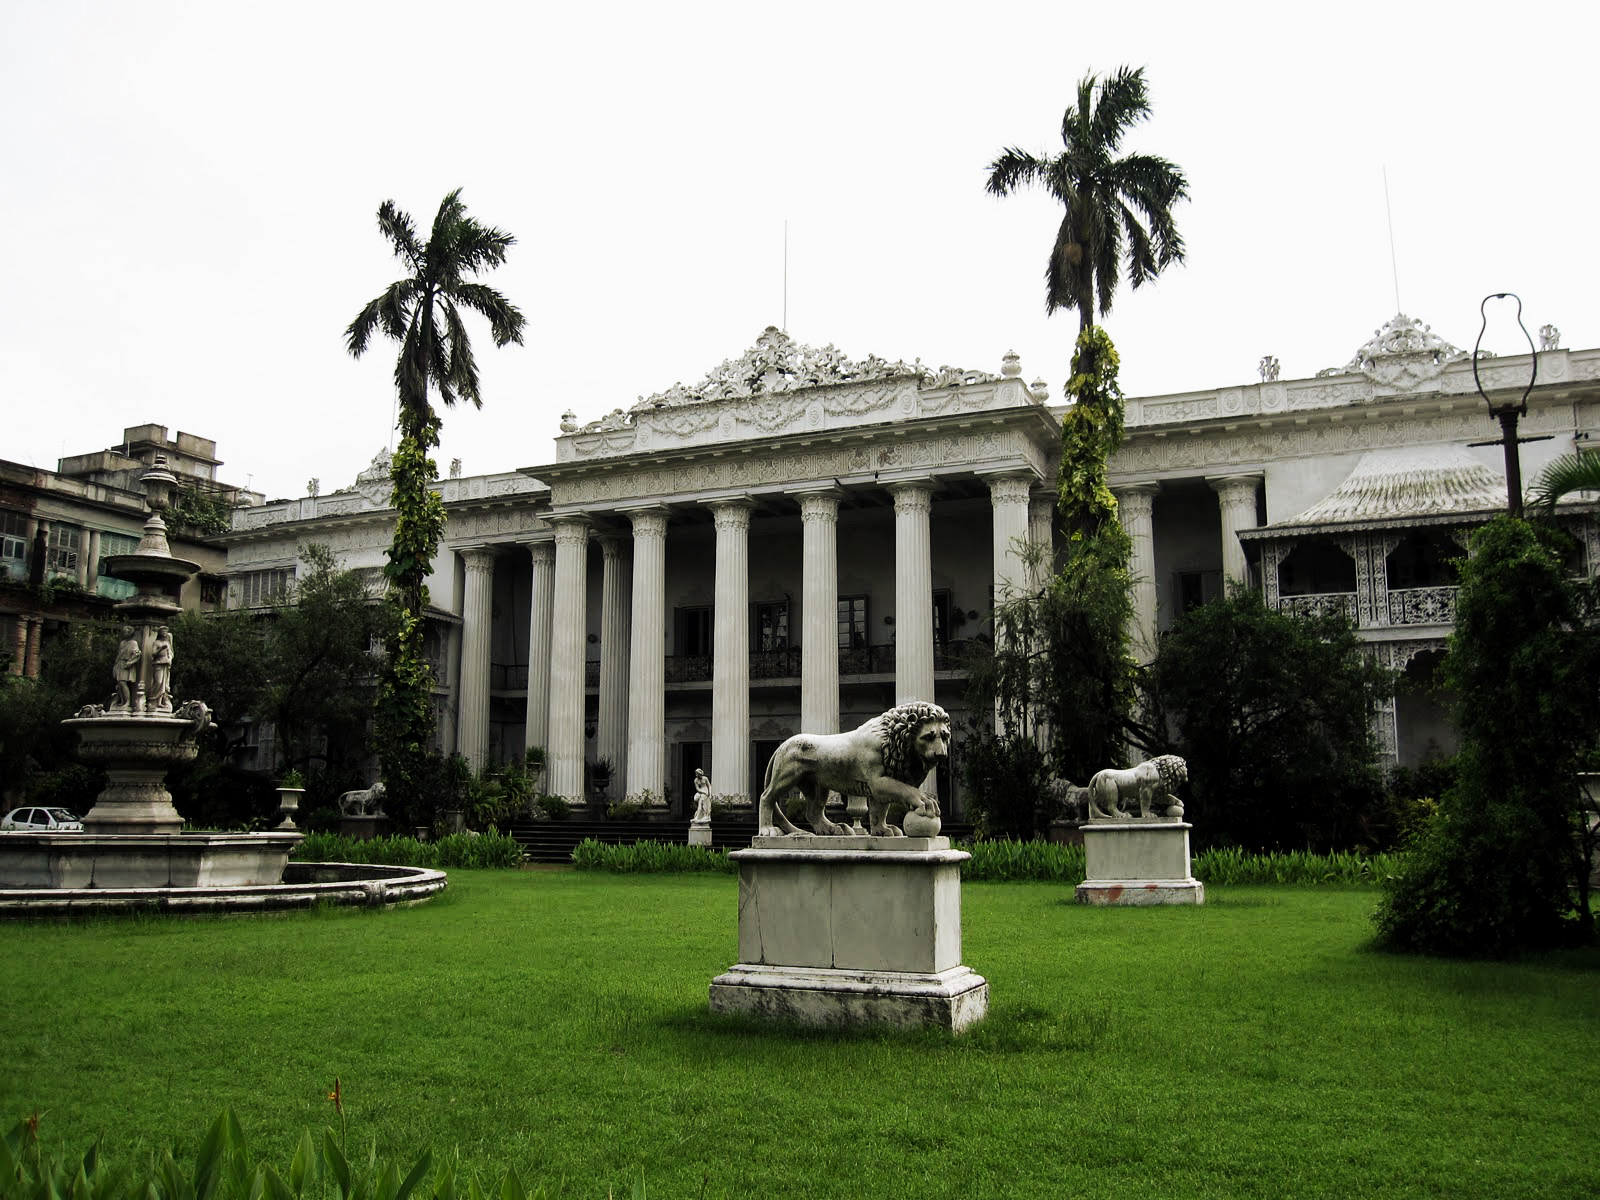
x=1423, y=606
x=1320, y=604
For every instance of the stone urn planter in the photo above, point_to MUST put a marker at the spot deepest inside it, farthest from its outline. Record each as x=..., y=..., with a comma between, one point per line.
x=288, y=805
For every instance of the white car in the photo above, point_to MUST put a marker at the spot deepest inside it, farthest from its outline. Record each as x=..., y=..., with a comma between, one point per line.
x=41, y=820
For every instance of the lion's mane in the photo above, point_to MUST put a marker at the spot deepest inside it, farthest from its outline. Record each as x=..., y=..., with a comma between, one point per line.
x=897, y=731
x=1173, y=770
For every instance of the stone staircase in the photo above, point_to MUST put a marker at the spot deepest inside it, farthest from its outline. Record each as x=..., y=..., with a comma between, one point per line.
x=554, y=841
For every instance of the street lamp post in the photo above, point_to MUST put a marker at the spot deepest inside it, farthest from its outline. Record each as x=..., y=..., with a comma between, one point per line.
x=1507, y=411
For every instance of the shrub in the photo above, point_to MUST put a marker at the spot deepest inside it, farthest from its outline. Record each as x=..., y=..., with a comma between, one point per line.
x=224, y=1169
x=493, y=850
x=651, y=856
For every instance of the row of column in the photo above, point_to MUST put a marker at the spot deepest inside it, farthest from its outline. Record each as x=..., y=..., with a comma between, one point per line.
x=26, y=638
x=1236, y=496
x=631, y=728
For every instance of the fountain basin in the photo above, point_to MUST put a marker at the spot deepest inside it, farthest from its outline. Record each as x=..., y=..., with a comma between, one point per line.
x=304, y=885
x=143, y=860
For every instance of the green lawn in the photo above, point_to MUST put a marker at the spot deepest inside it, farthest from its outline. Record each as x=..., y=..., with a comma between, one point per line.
x=557, y=1023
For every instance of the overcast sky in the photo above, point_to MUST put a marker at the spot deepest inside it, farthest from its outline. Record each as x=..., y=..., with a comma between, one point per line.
x=188, y=197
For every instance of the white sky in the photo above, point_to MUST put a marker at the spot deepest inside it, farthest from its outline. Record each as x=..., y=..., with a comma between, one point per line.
x=188, y=197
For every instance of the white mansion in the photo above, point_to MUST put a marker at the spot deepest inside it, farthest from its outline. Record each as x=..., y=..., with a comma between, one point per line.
x=801, y=540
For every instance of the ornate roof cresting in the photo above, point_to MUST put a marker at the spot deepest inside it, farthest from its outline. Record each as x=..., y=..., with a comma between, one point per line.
x=777, y=363
x=1402, y=354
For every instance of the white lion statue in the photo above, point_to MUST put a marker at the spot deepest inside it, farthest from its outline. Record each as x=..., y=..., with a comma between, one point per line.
x=363, y=802
x=885, y=760
x=1152, y=783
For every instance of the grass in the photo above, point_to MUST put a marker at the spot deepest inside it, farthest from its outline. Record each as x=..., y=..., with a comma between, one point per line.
x=556, y=1022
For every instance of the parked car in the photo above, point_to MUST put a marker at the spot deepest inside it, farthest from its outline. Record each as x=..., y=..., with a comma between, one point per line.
x=41, y=820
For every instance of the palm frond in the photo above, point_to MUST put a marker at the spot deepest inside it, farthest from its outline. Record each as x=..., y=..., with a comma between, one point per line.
x=1578, y=472
x=401, y=232
x=1013, y=169
x=1124, y=102
x=505, y=320
x=461, y=371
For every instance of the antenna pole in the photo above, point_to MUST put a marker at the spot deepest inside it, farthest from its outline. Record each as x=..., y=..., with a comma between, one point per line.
x=1394, y=268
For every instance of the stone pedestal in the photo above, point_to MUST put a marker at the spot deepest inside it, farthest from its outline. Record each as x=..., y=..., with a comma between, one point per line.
x=700, y=833
x=363, y=829
x=1138, y=863
x=851, y=930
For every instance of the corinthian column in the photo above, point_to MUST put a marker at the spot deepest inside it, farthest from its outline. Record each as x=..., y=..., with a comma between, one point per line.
x=913, y=591
x=647, y=662
x=730, y=650
x=1041, y=534
x=1134, y=505
x=1237, y=494
x=477, y=615
x=616, y=597
x=819, y=601
x=564, y=754
x=541, y=595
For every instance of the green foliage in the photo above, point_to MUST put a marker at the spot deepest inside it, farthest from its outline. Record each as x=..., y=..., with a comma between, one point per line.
x=1061, y=672
x=198, y=513
x=490, y=850
x=1273, y=713
x=1007, y=861
x=1491, y=873
x=1103, y=197
x=556, y=808
x=651, y=856
x=1577, y=472
x=225, y=1169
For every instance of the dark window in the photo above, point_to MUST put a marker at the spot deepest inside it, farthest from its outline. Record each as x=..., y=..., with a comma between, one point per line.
x=941, y=619
x=1195, y=588
x=694, y=630
x=852, y=622
x=770, y=629
x=1423, y=560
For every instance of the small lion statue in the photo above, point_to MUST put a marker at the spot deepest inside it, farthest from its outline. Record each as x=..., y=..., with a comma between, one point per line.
x=1154, y=784
x=363, y=802
x=885, y=760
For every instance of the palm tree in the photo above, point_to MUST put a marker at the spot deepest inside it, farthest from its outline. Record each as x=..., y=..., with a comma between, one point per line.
x=423, y=312
x=1579, y=472
x=1103, y=197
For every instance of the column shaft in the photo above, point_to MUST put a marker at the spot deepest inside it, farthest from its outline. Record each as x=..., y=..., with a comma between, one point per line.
x=564, y=754
x=1135, y=505
x=541, y=595
x=913, y=591
x=477, y=615
x=819, y=637
x=730, y=647
x=1237, y=495
x=647, y=663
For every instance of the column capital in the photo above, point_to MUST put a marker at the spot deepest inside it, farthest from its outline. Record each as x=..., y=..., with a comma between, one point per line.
x=1135, y=501
x=543, y=549
x=912, y=495
x=478, y=559
x=1010, y=486
x=1234, y=489
x=730, y=512
x=649, y=521
x=572, y=529
x=613, y=545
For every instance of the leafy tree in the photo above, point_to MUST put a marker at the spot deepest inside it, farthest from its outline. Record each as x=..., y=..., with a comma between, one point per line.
x=423, y=312
x=1491, y=873
x=1103, y=197
x=1061, y=675
x=1273, y=714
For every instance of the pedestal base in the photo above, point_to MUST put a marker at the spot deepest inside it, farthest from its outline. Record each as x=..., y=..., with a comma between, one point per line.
x=700, y=834
x=1138, y=863
x=363, y=829
x=950, y=999
x=851, y=930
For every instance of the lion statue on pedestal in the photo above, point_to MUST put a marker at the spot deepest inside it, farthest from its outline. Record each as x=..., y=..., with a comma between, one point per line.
x=1153, y=784
x=363, y=802
x=885, y=761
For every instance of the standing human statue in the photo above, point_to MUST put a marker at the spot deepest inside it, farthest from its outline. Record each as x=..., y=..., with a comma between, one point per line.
x=702, y=797
x=161, y=671
x=126, y=669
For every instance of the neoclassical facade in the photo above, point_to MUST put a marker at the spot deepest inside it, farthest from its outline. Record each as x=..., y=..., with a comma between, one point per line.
x=801, y=540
